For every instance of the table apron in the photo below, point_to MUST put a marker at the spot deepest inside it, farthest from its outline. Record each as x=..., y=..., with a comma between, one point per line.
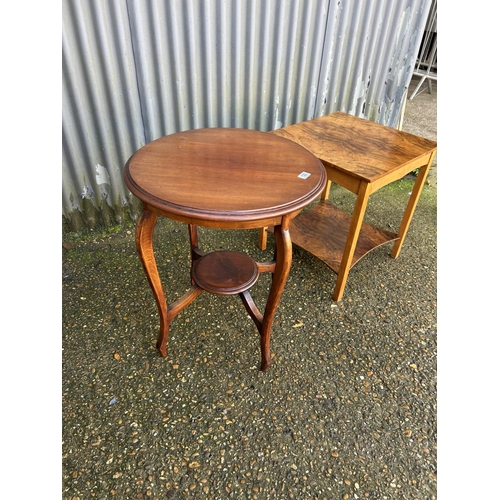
x=347, y=181
x=353, y=184
x=399, y=173
x=224, y=224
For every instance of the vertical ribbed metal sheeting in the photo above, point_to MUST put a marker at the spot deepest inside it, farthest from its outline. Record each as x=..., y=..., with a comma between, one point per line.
x=135, y=70
x=370, y=51
x=102, y=120
x=213, y=63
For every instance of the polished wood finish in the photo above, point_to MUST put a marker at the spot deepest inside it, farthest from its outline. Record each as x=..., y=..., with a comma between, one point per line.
x=361, y=156
x=225, y=272
x=195, y=177
x=225, y=178
x=144, y=243
x=313, y=230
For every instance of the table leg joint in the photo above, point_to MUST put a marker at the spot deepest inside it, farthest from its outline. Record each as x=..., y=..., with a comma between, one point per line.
x=177, y=306
x=252, y=309
x=266, y=267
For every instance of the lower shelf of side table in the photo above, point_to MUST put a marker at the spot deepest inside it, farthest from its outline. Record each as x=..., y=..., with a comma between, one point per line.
x=225, y=272
x=323, y=230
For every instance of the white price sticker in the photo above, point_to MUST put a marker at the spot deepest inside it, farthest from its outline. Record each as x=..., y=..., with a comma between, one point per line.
x=304, y=175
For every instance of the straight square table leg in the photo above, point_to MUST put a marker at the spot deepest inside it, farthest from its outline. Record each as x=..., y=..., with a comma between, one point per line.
x=326, y=192
x=352, y=239
x=410, y=208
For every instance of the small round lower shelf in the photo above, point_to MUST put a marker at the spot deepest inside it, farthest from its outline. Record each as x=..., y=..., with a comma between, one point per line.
x=225, y=272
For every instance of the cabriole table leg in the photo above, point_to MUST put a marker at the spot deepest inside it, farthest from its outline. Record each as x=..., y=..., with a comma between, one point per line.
x=283, y=257
x=144, y=243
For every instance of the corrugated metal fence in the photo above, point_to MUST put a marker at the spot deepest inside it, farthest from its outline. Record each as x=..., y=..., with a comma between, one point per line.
x=135, y=70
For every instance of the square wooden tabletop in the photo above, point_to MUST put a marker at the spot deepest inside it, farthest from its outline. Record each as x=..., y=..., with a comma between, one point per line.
x=356, y=146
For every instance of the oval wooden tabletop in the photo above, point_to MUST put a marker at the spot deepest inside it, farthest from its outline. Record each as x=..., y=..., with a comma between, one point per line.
x=225, y=174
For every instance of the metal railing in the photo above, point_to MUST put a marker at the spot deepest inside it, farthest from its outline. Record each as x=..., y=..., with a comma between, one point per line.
x=426, y=63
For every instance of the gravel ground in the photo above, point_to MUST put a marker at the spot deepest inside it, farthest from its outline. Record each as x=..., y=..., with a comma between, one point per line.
x=347, y=409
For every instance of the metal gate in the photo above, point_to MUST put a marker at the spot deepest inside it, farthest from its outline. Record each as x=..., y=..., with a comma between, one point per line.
x=426, y=64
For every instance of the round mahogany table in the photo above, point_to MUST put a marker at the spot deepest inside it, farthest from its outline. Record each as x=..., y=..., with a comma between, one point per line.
x=223, y=178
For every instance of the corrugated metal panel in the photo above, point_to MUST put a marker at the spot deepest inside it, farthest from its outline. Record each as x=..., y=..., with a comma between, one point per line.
x=102, y=120
x=212, y=63
x=370, y=51
x=134, y=71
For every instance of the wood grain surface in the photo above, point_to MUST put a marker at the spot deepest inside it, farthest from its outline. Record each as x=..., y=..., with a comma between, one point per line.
x=358, y=147
x=323, y=231
x=227, y=178
x=225, y=272
x=224, y=174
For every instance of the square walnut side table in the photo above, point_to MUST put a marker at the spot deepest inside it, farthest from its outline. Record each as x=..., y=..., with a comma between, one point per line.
x=361, y=156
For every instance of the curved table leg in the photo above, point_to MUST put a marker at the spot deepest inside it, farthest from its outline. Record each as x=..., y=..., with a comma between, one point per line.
x=283, y=252
x=196, y=253
x=144, y=243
